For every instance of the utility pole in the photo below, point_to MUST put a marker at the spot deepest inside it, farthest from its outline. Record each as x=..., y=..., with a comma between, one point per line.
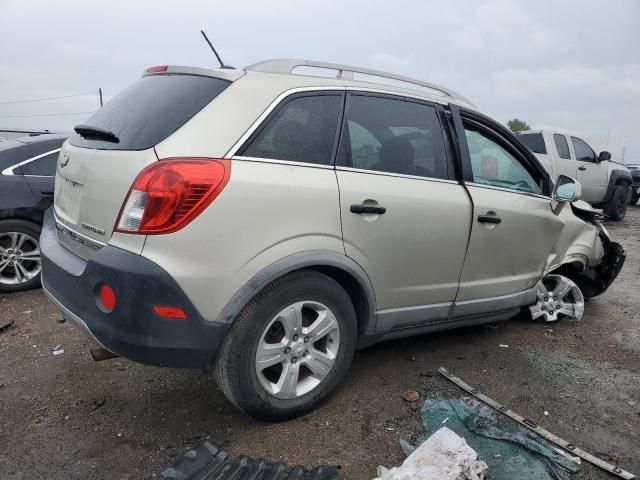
x=100, y=93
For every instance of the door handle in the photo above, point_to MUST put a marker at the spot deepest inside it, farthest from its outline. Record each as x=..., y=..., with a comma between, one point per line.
x=489, y=219
x=46, y=192
x=367, y=209
x=582, y=168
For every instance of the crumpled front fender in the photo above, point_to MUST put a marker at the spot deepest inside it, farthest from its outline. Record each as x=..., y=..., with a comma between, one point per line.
x=584, y=252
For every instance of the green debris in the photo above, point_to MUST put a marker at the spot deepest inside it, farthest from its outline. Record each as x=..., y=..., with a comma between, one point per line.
x=511, y=451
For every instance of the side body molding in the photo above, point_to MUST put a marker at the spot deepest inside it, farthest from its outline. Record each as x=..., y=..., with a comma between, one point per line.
x=308, y=259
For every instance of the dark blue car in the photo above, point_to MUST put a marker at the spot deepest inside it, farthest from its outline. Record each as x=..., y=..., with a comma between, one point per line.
x=27, y=173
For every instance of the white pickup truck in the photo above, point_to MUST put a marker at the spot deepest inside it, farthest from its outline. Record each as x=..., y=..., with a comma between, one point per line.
x=605, y=184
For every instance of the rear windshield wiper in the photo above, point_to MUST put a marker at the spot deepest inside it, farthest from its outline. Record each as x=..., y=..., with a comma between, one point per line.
x=97, y=133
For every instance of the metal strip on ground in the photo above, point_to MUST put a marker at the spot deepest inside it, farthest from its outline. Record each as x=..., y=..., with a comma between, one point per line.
x=537, y=429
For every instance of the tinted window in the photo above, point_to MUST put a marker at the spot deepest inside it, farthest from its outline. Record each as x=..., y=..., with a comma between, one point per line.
x=562, y=146
x=44, y=166
x=150, y=110
x=394, y=136
x=534, y=141
x=494, y=165
x=303, y=130
x=583, y=152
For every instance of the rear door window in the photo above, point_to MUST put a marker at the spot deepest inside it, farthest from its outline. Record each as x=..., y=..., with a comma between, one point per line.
x=304, y=129
x=43, y=166
x=150, y=110
x=534, y=141
x=562, y=146
x=392, y=135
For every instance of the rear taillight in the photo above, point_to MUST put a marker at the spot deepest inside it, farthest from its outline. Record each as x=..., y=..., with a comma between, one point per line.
x=167, y=195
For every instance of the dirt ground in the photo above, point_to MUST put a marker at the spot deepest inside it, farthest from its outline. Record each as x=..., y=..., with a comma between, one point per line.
x=68, y=417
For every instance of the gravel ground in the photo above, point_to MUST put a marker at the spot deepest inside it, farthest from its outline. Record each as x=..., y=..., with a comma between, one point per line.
x=68, y=417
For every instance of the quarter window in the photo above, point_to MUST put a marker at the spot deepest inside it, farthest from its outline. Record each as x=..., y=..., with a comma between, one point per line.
x=562, y=146
x=303, y=130
x=43, y=167
x=493, y=165
x=584, y=152
x=394, y=136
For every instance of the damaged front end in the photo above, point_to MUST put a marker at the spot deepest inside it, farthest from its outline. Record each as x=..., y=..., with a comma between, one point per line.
x=587, y=254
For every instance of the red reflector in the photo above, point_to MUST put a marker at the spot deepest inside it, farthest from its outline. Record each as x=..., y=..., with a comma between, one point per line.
x=168, y=194
x=174, y=313
x=107, y=297
x=157, y=69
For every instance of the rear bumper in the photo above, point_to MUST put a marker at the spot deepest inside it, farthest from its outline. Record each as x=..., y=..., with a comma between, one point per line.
x=132, y=329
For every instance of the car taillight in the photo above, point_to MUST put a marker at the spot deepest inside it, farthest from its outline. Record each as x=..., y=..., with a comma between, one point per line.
x=167, y=195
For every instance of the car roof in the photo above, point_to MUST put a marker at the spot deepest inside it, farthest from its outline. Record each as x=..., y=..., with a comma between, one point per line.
x=42, y=137
x=298, y=73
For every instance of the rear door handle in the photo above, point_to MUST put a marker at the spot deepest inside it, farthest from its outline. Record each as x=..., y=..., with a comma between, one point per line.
x=359, y=208
x=582, y=168
x=489, y=219
x=46, y=192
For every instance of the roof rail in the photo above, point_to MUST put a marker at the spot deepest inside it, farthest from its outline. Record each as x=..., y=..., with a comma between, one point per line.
x=287, y=65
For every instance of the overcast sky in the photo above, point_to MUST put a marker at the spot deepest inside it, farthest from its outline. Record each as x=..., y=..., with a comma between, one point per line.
x=573, y=65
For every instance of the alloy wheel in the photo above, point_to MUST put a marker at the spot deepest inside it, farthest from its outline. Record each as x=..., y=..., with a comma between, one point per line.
x=297, y=349
x=19, y=258
x=557, y=297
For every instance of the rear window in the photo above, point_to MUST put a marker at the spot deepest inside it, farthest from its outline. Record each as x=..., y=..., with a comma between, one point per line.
x=534, y=141
x=150, y=110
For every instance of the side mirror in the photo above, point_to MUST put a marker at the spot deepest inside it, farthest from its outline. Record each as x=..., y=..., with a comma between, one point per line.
x=567, y=189
x=604, y=156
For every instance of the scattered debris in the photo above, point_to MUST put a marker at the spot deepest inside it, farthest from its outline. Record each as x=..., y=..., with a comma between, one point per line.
x=100, y=354
x=57, y=347
x=546, y=414
x=97, y=404
x=539, y=430
x=4, y=324
x=411, y=396
x=207, y=461
x=407, y=448
x=58, y=352
x=27, y=312
x=444, y=456
x=61, y=320
x=503, y=345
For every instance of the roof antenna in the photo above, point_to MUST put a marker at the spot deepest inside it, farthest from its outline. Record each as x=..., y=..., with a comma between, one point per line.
x=222, y=65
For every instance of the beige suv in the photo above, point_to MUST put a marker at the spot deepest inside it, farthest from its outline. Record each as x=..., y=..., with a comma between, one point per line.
x=270, y=221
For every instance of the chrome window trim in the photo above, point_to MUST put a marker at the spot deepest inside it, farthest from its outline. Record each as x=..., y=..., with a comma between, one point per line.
x=292, y=163
x=9, y=170
x=287, y=93
x=502, y=189
x=75, y=236
x=398, y=175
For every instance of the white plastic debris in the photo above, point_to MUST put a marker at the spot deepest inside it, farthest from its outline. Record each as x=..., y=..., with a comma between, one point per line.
x=503, y=345
x=444, y=456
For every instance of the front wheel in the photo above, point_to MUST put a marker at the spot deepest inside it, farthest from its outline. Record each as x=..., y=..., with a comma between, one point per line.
x=616, y=208
x=289, y=348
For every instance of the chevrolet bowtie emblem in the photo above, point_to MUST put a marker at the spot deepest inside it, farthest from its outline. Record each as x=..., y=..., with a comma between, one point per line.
x=64, y=160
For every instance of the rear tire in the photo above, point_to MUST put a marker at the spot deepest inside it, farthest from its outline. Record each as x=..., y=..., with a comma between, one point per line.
x=264, y=324
x=616, y=207
x=635, y=196
x=19, y=255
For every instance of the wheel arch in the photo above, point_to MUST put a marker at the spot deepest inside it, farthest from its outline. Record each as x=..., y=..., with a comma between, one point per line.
x=27, y=214
x=349, y=274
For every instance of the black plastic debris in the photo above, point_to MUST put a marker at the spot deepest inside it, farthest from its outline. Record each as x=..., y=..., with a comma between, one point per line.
x=4, y=324
x=209, y=462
